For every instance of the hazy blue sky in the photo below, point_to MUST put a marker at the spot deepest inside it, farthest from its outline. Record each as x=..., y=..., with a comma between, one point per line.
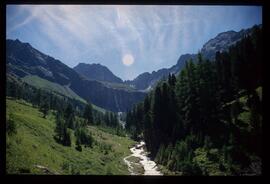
x=128, y=40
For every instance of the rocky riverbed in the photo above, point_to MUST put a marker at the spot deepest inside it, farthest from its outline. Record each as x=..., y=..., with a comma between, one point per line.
x=139, y=163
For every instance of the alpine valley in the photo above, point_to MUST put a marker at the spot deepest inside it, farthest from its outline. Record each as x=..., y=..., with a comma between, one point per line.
x=201, y=116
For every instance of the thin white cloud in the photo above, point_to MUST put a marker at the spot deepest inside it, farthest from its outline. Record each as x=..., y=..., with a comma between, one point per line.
x=27, y=19
x=154, y=35
x=85, y=25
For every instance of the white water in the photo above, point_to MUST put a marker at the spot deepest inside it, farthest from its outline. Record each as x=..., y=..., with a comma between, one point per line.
x=150, y=167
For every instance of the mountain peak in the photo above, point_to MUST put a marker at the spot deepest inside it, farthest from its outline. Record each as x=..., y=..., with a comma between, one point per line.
x=222, y=42
x=96, y=71
x=17, y=41
x=226, y=33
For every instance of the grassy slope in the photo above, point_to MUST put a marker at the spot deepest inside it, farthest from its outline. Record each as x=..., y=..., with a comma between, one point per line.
x=47, y=85
x=34, y=145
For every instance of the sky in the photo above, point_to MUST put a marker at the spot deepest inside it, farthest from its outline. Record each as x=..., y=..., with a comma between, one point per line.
x=128, y=39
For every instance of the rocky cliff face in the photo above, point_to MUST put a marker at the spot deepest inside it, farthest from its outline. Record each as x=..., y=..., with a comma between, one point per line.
x=22, y=60
x=222, y=42
x=108, y=98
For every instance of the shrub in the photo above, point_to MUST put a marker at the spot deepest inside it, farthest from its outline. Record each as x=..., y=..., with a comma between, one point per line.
x=84, y=137
x=78, y=146
x=11, y=127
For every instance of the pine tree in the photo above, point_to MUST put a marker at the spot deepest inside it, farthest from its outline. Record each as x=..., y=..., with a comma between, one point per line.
x=115, y=121
x=69, y=116
x=147, y=122
x=173, y=80
x=107, y=119
x=59, y=128
x=11, y=127
x=62, y=134
x=88, y=114
x=157, y=120
x=37, y=98
x=159, y=155
x=44, y=108
x=170, y=79
x=66, y=137
x=12, y=90
x=78, y=145
x=111, y=119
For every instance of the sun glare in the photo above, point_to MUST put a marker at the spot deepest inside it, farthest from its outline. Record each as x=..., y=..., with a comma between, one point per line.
x=128, y=59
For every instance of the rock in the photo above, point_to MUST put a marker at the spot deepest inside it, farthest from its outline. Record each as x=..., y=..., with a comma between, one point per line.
x=45, y=170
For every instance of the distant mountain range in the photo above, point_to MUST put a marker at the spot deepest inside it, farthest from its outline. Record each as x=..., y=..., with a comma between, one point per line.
x=29, y=64
x=146, y=81
x=96, y=83
x=221, y=42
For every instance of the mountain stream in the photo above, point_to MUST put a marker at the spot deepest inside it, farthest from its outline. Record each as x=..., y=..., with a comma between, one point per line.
x=149, y=166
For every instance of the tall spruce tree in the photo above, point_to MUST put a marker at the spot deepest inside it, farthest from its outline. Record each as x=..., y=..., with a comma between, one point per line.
x=88, y=114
